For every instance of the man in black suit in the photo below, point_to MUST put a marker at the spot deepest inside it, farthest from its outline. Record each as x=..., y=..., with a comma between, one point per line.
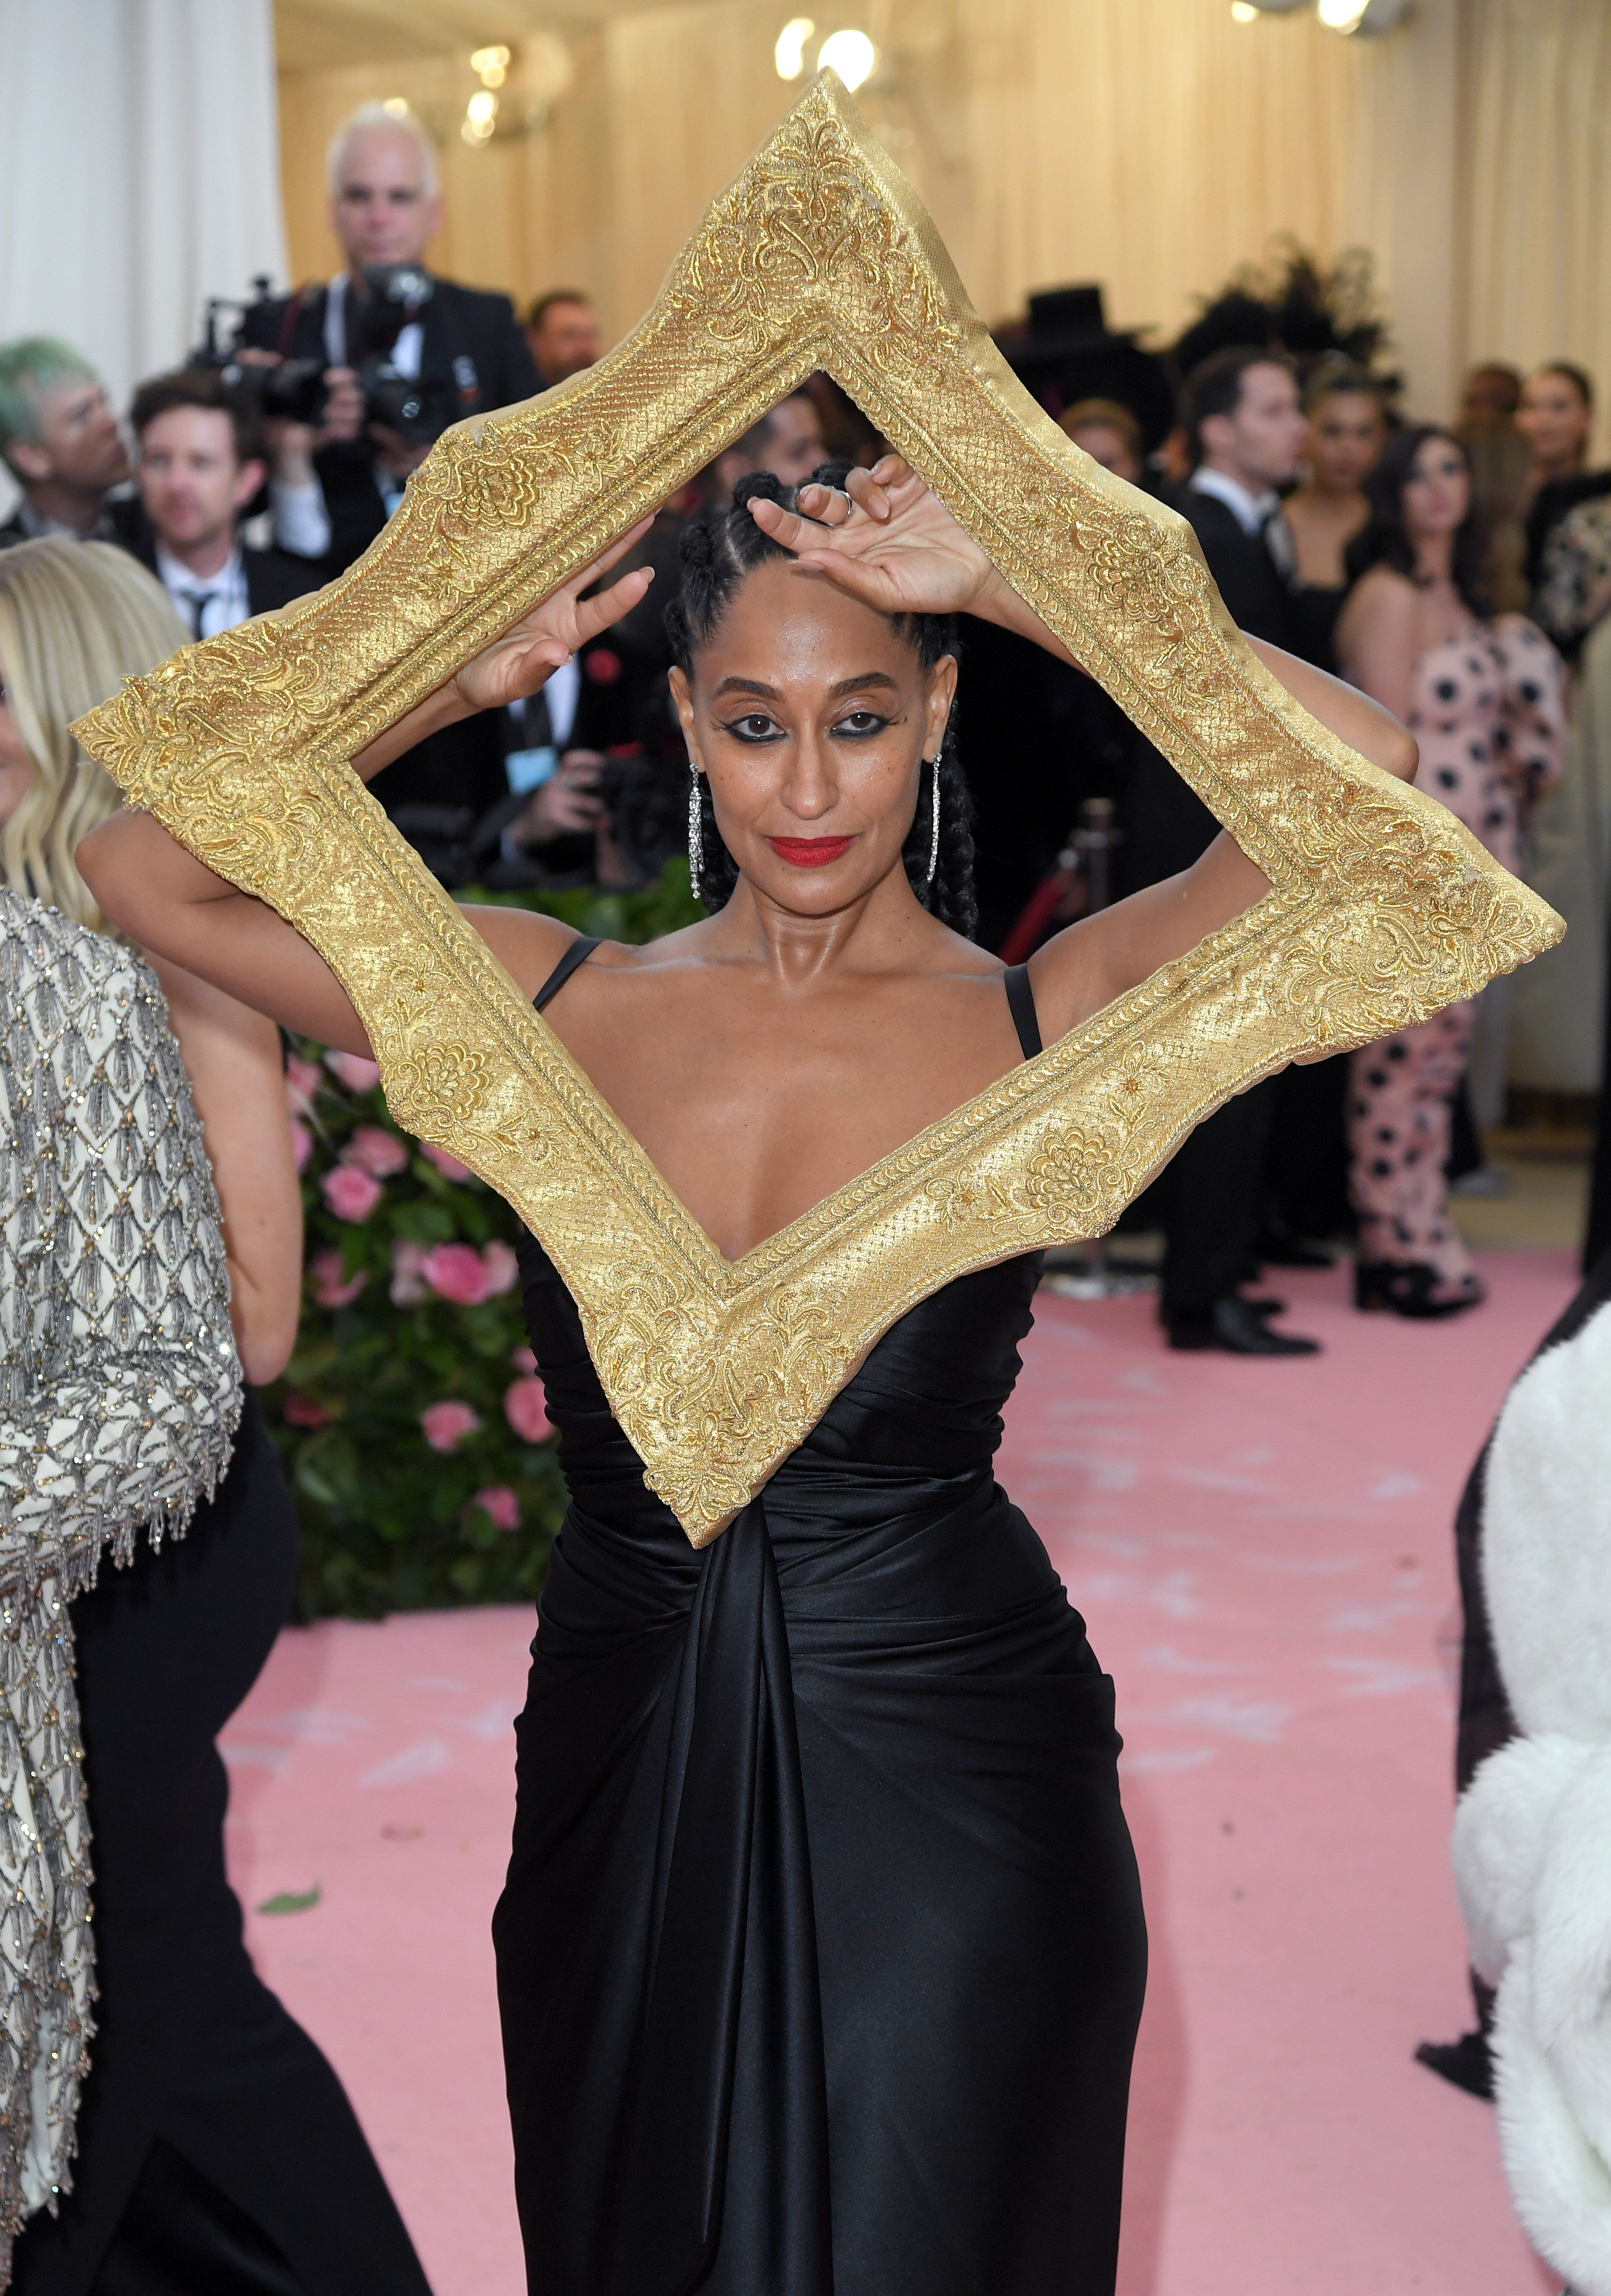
x=1245, y=423
x=201, y=461
x=462, y=347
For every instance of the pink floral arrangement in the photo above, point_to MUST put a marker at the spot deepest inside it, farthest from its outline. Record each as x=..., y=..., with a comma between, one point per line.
x=446, y=1424
x=412, y=1419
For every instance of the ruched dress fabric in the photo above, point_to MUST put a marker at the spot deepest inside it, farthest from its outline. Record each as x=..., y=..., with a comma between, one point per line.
x=821, y=1954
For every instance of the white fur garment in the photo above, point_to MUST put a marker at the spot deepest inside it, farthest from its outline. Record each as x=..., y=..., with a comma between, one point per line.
x=1532, y=1833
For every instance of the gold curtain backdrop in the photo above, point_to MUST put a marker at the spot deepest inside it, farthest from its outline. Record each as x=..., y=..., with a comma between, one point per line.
x=1151, y=144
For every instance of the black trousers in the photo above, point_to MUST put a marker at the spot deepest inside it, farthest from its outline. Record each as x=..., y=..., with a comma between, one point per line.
x=1209, y=1200
x=216, y=2148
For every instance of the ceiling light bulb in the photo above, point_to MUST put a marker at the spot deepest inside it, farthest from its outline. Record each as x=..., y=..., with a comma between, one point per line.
x=789, y=54
x=396, y=106
x=1340, y=15
x=1244, y=11
x=851, y=54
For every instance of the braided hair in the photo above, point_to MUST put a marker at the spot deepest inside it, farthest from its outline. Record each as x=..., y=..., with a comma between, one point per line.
x=717, y=550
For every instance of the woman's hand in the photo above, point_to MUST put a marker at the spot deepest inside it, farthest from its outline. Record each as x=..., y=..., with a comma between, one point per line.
x=527, y=655
x=523, y=659
x=889, y=541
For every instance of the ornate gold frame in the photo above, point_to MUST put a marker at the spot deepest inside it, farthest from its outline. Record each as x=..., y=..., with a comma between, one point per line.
x=1384, y=908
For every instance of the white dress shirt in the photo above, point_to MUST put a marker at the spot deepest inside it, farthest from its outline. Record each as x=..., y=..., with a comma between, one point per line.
x=206, y=603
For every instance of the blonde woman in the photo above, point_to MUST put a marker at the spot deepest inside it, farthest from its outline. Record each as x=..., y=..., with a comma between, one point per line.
x=216, y=2149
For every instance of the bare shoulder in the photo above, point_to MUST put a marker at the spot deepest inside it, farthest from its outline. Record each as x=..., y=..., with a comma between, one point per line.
x=1382, y=599
x=529, y=944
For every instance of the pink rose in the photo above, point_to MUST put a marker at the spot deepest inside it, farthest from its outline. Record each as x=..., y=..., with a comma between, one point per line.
x=503, y=1269
x=456, y=1272
x=522, y=1359
x=358, y=1075
x=448, y=1166
x=331, y=1288
x=350, y=1195
x=371, y=1150
x=447, y=1424
x=526, y=1409
x=300, y=1411
x=301, y=1143
x=500, y=1503
x=302, y=1080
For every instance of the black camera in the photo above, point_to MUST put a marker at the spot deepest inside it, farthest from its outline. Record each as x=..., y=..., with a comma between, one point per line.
x=388, y=298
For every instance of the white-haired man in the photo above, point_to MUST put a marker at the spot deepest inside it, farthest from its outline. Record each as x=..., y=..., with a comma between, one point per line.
x=450, y=352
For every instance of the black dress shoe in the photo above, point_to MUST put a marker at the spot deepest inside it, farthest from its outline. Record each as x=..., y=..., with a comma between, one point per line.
x=1235, y=1327
x=1280, y=1248
x=1467, y=2062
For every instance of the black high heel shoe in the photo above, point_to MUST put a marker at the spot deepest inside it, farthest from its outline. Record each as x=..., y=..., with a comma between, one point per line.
x=1409, y=1288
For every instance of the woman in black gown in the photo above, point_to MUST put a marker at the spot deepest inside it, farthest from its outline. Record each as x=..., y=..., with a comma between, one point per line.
x=821, y=1953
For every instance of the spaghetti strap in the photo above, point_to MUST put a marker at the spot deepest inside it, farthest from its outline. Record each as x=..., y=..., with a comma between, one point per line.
x=580, y=949
x=1021, y=1001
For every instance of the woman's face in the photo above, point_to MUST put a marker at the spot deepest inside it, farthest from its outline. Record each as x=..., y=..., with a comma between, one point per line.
x=1437, y=492
x=1346, y=435
x=1553, y=418
x=17, y=768
x=812, y=717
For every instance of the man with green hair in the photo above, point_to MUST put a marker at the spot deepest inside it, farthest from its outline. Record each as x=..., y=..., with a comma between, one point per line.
x=61, y=441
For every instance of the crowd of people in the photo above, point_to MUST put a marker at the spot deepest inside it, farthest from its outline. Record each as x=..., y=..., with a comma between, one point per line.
x=1457, y=575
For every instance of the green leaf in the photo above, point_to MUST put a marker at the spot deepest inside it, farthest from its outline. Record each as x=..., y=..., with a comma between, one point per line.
x=291, y=1901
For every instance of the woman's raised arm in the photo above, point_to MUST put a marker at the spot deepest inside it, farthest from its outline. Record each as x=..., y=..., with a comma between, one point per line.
x=167, y=901
x=889, y=541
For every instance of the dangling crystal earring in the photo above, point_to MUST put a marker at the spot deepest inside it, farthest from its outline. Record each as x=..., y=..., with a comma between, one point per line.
x=933, y=766
x=696, y=828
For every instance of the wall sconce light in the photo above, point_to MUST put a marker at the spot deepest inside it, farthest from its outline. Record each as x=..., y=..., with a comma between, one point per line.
x=788, y=53
x=1369, y=17
x=851, y=54
x=491, y=68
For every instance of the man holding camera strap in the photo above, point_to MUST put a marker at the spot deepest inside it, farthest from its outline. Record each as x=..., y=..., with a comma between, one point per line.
x=434, y=356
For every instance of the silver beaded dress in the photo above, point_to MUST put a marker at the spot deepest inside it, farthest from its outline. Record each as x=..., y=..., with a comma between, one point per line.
x=119, y=1395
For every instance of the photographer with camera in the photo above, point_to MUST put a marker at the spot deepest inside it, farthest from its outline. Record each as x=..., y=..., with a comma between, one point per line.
x=378, y=363
x=201, y=461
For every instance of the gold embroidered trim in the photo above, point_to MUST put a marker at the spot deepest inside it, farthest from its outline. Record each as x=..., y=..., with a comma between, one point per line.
x=1384, y=907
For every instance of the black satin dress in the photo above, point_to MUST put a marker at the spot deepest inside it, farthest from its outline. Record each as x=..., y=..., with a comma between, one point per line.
x=821, y=1954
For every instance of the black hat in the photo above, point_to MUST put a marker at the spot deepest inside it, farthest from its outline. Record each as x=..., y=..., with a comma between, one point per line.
x=1066, y=351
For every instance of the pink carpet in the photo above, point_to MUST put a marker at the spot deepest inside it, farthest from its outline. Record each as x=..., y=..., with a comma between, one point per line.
x=1263, y=1553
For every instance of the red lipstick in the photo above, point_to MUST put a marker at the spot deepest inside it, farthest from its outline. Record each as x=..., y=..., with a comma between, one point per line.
x=809, y=852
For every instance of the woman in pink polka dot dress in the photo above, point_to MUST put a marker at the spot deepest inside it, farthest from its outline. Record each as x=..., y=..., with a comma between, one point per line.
x=1484, y=698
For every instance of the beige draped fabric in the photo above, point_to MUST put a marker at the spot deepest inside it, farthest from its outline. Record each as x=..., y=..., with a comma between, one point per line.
x=1151, y=144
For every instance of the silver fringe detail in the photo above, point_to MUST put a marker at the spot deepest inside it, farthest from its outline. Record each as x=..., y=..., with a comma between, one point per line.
x=933, y=766
x=696, y=828
x=120, y=1392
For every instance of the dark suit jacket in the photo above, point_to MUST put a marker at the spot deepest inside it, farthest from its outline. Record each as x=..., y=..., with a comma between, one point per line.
x=274, y=578
x=1245, y=575
x=473, y=350
x=122, y=518
x=1167, y=826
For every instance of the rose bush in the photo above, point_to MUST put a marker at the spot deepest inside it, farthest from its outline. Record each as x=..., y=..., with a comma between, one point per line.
x=411, y=1419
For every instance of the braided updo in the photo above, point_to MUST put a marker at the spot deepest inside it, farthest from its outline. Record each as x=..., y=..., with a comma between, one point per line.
x=718, y=549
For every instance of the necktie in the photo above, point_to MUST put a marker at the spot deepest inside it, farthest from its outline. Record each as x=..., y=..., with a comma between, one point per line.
x=198, y=601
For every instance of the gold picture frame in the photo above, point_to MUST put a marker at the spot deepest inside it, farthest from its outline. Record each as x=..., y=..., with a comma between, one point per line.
x=1383, y=907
